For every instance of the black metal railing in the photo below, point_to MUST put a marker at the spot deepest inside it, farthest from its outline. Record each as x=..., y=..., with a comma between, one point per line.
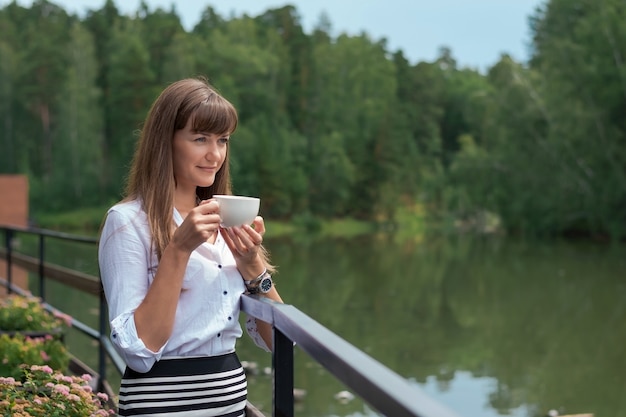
x=386, y=391
x=383, y=389
x=75, y=279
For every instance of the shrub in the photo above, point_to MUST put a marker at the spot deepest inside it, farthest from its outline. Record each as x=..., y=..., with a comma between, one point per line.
x=18, y=349
x=41, y=392
x=20, y=313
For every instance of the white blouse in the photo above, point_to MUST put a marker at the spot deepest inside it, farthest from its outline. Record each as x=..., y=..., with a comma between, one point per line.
x=207, y=316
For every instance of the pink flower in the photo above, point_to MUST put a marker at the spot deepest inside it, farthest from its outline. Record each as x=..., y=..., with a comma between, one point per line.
x=62, y=389
x=7, y=380
x=103, y=396
x=44, y=356
x=102, y=413
x=73, y=397
x=86, y=377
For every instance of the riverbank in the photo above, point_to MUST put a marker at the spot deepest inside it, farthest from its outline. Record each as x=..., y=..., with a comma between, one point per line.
x=87, y=221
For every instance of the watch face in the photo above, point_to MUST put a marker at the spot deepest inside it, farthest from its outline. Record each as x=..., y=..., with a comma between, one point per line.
x=265, y=285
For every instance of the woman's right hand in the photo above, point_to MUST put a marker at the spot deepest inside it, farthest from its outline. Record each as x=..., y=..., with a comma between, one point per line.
x=201, y=223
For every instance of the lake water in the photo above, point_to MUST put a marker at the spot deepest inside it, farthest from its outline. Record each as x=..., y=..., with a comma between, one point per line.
x=487, y=326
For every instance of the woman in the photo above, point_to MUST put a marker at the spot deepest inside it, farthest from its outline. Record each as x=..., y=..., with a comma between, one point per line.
x=172, y=276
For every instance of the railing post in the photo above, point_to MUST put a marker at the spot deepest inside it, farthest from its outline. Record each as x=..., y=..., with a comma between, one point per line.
x=101, y=351
x=42, y=286
x=8, y=236
x=282, y=362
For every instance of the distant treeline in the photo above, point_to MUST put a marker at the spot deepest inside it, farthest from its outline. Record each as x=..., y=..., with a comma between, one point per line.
x=331, y=126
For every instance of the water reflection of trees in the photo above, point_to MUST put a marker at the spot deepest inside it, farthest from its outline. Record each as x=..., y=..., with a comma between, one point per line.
x=545, y=320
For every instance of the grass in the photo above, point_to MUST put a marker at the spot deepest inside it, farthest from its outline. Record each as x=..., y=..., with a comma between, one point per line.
x=82, y=221
x=88, y=221
x=347, y=228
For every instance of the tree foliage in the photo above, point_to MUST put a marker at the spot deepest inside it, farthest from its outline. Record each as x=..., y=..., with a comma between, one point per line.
x=330, y=125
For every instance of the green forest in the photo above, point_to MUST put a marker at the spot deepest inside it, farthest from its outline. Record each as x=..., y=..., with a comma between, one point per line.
x=331, y=126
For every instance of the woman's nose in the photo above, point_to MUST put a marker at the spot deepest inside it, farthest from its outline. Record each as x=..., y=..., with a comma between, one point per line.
x=213, y=151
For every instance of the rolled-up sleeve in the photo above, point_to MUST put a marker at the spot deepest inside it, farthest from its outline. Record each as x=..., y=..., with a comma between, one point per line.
x=130, y=347
x=124, y=257
x=253, y=332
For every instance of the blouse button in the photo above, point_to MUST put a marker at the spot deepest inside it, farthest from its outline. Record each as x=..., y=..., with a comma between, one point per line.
x=225, y=292
x=219, y=334
x=219, y=265
x=230, y=318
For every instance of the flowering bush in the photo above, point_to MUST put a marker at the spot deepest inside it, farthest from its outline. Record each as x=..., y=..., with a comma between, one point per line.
x=19, y=313
x=45, y=393
x=19, y=349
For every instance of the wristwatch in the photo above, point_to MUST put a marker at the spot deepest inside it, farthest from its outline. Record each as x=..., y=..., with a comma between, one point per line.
x=261, y=284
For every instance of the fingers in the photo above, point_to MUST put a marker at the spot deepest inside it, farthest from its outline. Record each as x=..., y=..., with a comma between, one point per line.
x=259, y=225
x=206, y=213
x=208, y=207
x=242, y=240
x=200, y=224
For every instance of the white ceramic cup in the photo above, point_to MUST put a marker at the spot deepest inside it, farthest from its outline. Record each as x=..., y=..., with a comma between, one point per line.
x=237, y=210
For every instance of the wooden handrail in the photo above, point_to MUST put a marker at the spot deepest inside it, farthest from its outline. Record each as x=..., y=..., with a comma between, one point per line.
x=75, y=279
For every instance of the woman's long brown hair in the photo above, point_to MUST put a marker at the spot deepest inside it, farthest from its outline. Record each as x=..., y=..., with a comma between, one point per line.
x=151, y=177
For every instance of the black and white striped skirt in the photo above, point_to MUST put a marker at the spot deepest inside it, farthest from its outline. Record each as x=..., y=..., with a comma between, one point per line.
x=186, y=387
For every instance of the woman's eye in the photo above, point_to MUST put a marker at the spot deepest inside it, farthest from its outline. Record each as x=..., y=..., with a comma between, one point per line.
x=224, y=140
x=200, y=139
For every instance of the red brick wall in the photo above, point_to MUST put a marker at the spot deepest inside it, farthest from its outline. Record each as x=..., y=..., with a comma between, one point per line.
x=13, y=212
x=14, y=200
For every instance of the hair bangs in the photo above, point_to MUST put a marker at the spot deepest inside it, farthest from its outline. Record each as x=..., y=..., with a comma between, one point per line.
x=215, y=115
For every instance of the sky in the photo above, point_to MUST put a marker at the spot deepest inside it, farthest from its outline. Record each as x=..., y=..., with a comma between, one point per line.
x=476, y=31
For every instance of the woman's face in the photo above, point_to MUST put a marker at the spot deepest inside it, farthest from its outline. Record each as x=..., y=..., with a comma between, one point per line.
x=197, y=157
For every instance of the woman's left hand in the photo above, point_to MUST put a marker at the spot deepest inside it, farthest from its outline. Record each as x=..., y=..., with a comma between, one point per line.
x=245, y=242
